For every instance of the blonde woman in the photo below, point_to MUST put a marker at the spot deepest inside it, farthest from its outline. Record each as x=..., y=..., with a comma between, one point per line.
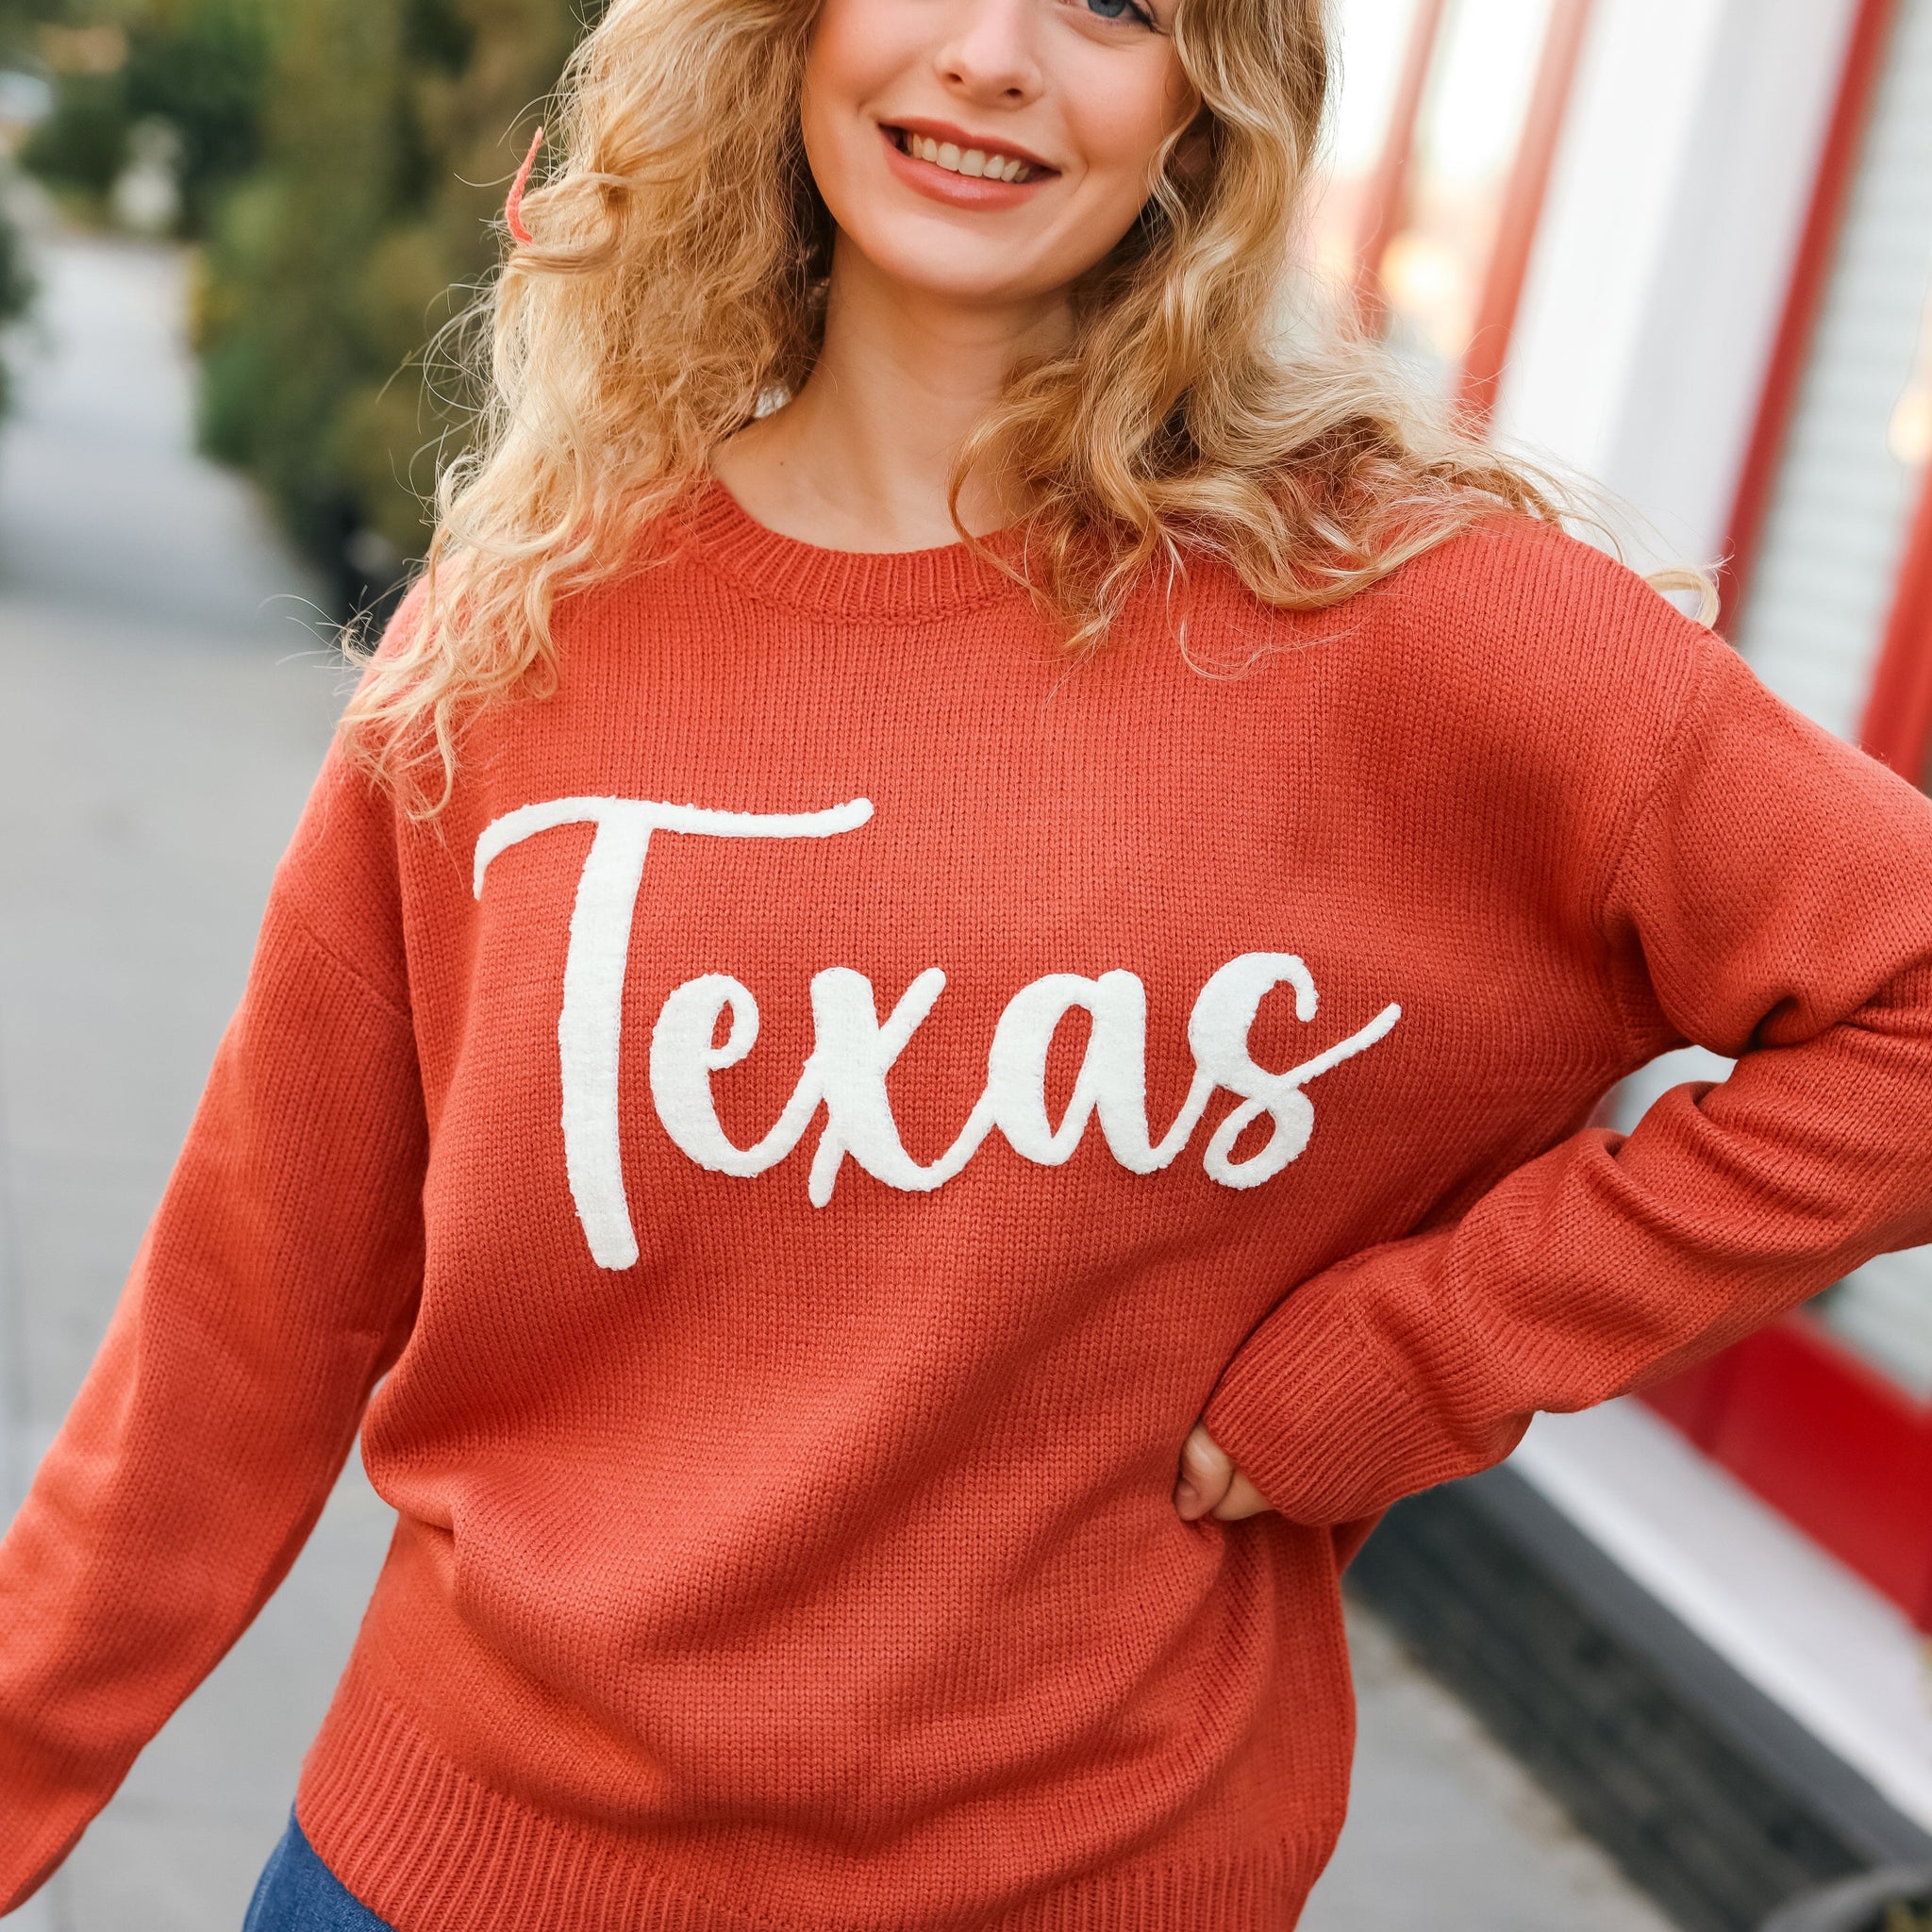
x=936, y=1023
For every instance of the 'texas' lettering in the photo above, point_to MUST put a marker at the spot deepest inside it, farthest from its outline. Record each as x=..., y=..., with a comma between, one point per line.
x=852, y=1050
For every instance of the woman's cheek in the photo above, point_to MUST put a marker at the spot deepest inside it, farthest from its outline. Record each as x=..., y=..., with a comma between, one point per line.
x=1120, y=124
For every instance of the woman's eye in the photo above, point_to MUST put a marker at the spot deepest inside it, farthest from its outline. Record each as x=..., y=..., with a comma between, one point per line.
x=1120, y=9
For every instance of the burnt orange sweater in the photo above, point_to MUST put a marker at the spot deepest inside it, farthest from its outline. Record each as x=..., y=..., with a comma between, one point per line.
x=835, y=1097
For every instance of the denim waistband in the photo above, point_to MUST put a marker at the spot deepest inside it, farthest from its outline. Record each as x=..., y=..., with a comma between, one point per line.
x=298, y=1892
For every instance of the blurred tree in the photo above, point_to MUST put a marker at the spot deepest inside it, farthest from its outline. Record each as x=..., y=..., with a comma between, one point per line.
x=202, y=66
x=343, y=162
x=19, y=23
x=391, y=128
x=199, y=66
x=82, y=146
x=16, y=291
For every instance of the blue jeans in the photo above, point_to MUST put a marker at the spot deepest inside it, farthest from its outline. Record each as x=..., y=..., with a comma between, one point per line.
x=298, y=1892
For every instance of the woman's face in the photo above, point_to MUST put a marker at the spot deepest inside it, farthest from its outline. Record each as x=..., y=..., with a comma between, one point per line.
x=989, y=150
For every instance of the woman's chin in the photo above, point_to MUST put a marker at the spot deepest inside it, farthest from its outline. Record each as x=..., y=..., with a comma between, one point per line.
x=962, y=271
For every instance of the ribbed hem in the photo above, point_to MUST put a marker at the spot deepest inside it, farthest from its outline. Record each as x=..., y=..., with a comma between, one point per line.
x=429, y=1849
x=883, y=586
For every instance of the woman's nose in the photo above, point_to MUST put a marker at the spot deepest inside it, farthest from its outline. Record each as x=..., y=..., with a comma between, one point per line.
x=990, y=55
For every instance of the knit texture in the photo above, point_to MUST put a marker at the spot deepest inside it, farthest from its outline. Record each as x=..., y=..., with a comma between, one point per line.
x=777, y=1168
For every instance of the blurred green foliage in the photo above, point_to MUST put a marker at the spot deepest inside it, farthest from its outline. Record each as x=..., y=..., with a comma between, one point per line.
x=390, y=130
x=83, y=144
x=387, y=135
x=198, y=66
x=341, y=164
x=19, y=21
x=16, y=291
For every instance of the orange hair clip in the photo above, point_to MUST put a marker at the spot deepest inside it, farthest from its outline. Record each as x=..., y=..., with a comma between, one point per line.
x=513, y=208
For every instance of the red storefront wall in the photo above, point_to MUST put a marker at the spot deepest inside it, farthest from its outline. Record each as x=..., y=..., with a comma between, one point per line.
x=1827, y=1439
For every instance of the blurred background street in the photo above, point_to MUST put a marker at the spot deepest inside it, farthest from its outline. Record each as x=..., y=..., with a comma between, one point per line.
x=169, y=692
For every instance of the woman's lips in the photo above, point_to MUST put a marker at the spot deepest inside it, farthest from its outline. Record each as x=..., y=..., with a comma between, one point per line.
x=957, y=190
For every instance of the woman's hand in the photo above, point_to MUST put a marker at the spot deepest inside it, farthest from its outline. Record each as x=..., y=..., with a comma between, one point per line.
x=1211, y=1485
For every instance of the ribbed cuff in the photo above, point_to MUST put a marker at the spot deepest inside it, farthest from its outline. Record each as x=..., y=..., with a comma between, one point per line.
x=1316, y=1420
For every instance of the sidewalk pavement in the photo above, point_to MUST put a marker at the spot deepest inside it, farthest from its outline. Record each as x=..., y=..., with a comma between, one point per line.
x=167, y=698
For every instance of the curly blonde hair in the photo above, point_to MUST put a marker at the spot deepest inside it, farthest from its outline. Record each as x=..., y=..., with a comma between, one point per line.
x=676, y=284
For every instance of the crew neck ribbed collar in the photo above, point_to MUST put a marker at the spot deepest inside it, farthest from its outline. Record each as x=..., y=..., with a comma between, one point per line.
x=894, y=585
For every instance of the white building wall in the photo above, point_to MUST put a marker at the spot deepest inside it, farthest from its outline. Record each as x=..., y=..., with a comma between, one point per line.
x=1823, y=590
x=1660, y=276
x=1679, y=192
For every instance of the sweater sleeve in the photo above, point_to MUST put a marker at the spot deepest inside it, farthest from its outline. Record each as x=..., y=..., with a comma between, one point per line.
x=1773, y=901
x=276, y=1283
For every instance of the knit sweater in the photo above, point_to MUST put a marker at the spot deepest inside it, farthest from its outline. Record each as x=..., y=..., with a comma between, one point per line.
x=777, y=1168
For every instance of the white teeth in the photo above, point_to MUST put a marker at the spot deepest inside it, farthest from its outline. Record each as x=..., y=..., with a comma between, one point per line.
x=974, y=161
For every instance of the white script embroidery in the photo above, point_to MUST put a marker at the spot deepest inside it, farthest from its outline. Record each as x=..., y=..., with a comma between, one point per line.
x=852, y=1050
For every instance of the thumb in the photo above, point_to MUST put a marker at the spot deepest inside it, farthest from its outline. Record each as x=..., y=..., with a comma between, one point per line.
x=1205, y=1472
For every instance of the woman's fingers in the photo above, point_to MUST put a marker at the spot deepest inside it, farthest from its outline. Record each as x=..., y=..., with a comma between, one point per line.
x=1211, y=1485
x=1242, y=1499
x=1206, y=1477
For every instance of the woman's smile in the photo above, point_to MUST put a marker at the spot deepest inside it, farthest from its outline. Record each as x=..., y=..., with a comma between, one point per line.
x=953, y=165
